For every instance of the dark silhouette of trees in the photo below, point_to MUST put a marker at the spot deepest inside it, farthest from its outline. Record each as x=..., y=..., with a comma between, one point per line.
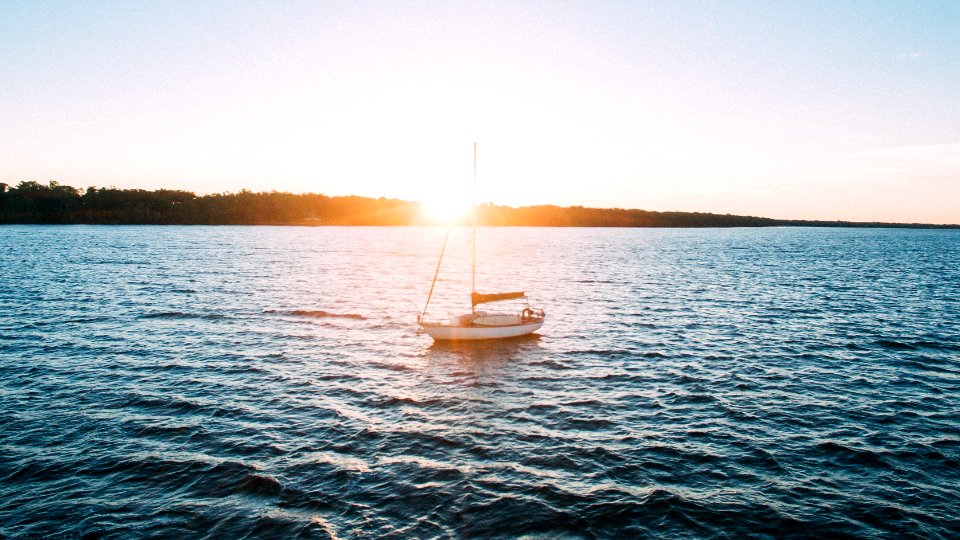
x=578, y=216
x=32, y=202
x=35, y=203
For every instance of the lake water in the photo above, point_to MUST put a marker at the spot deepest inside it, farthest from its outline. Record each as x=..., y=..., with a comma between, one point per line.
x=226, y=382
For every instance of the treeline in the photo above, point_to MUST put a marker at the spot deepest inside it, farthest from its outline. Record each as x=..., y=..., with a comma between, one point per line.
x=32, y=202
x=578, y=216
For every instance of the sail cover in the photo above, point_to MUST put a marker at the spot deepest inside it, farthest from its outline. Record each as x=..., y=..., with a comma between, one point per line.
x=479, y=298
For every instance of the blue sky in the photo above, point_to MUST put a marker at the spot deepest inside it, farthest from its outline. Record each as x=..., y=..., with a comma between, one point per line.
x=827, y=110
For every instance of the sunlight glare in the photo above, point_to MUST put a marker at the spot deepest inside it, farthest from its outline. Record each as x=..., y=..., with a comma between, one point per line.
x=445, y=210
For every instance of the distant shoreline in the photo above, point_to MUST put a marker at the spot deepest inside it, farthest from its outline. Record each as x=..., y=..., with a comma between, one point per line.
x=855, y=225
x=33, y=203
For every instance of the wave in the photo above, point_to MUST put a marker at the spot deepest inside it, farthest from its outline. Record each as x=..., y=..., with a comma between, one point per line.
x=587, y=424
x=914, y=345
x=606, y=353
x=200, y=478
x=846, y=455
x=583, y=403
x=176, y=405
x=690, y=398
x=158, y=430
x=182, y=315
x=84, y=320
x=399, y=401
x=552, y=364
x=758, y=457
x=317, y=314
x=259, y=484
x=391, y=367
x=394, y=326
x=890, y=344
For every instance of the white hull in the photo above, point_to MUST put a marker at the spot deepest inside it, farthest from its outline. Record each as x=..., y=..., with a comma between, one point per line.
x=445, y=332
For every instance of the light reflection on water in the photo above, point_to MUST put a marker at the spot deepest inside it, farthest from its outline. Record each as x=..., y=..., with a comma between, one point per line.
x=236, y=380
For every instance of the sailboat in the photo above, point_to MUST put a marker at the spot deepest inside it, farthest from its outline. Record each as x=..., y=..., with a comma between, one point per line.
x=478, y=324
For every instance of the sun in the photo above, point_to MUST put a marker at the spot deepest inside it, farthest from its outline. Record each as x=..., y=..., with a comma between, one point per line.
x=445, y=208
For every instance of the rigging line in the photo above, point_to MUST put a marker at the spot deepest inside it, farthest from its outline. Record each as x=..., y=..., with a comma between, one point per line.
x=435, y=274
x=473, y=269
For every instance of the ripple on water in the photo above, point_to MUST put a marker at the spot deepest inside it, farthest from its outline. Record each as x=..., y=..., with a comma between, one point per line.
x=229, y=382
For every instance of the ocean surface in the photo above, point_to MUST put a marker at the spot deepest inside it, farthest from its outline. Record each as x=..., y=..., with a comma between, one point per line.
x=247, y=382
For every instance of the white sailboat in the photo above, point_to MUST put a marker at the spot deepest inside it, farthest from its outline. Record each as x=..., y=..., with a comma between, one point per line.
x=480, y=325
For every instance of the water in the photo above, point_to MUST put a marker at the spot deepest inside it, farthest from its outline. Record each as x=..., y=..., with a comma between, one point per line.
x=258, y=381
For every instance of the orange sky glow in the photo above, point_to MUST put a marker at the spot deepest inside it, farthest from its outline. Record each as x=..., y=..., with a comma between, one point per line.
x=786, y=110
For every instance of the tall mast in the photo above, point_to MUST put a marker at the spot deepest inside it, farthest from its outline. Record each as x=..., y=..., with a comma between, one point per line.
x=473, y=270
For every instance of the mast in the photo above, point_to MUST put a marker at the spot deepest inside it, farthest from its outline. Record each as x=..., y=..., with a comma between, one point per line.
x=473, y=270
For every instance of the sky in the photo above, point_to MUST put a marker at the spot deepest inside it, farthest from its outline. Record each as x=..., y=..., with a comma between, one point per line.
x=816, y=109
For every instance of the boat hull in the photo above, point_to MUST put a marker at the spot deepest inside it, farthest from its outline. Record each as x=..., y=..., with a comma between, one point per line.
x=445, y=332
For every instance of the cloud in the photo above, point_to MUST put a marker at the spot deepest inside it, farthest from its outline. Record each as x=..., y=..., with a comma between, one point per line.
x=912, y=55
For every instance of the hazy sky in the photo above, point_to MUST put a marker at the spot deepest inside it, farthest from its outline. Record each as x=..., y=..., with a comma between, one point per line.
x=826, y=110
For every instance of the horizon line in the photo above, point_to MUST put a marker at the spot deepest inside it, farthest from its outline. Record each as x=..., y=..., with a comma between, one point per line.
x=51, y=183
